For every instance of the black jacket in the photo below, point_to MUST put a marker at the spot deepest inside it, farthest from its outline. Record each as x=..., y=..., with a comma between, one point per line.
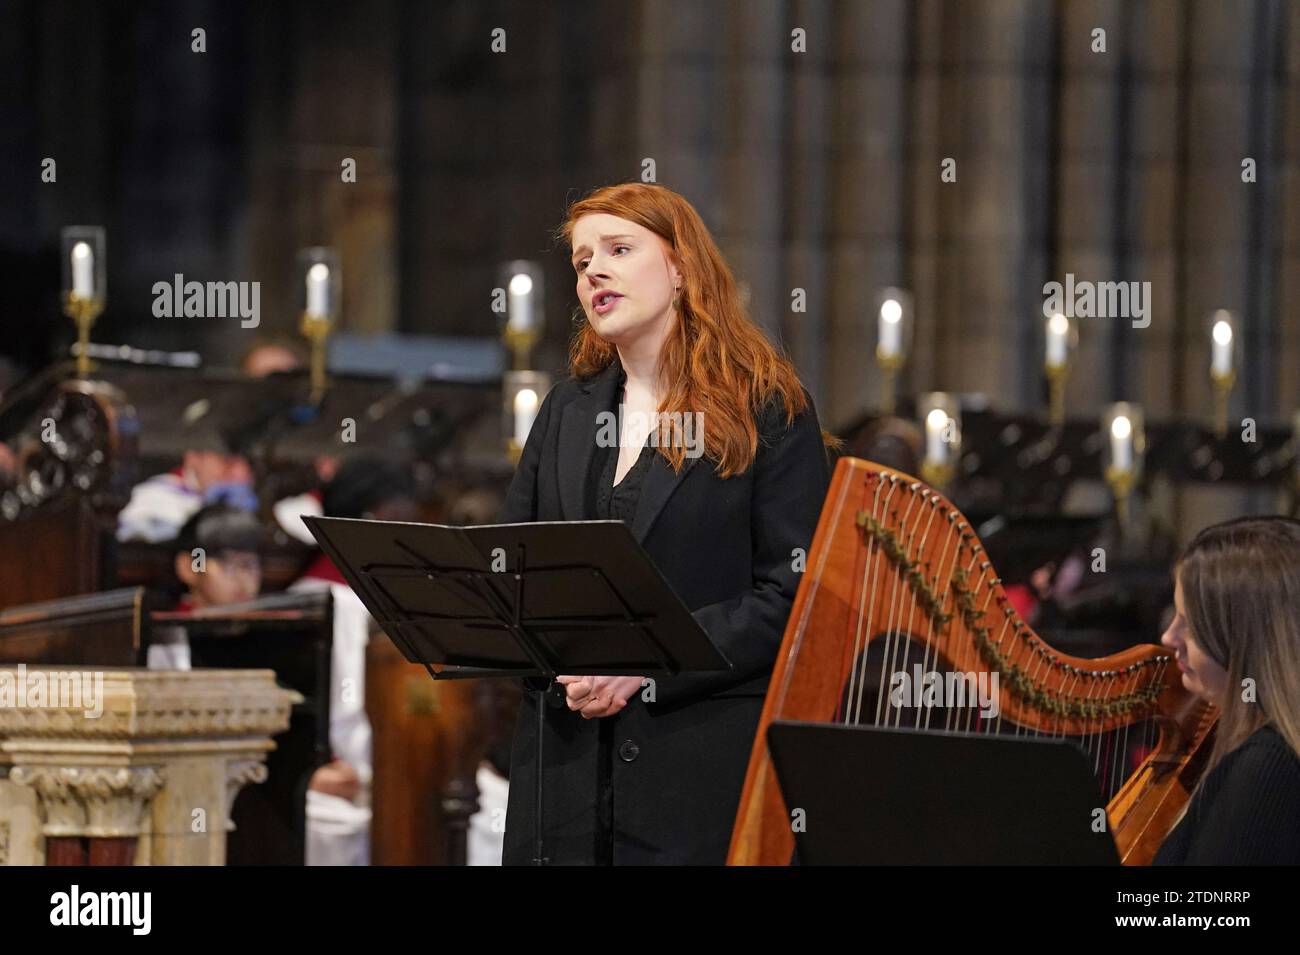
x=1245, y=811
x=665, y=776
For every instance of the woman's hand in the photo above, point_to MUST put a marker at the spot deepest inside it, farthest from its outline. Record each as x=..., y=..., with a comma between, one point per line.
x=597, y=696
x=336, y=778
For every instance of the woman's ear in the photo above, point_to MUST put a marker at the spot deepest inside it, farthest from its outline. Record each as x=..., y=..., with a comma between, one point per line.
x=674, y=269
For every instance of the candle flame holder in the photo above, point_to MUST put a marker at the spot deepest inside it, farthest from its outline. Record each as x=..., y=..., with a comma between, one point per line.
x=316, y=329
x=937, y=474
x=521, y=344
x=1122, y=482
x=1057, y=376
x=1223, y=383
x=83, y=311
x=889, y=366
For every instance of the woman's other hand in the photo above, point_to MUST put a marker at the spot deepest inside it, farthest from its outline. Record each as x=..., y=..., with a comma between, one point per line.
x=597, y=696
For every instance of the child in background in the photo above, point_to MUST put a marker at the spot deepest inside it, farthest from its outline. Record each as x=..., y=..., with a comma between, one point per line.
x=217, y=560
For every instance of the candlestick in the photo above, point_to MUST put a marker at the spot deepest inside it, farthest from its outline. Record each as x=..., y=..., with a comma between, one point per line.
x=1121, y=444
x=83, y=311
x=1057, y=375
x=315, y=327
x=520, y=303
x=941, y=419
x=1121, y=484
x=936, y=449
x=83, y=271
x=1222, y=383
x=1221, y=357
x=525, y=414
x=891, y=329
x=1058, y=340
x=318, y=289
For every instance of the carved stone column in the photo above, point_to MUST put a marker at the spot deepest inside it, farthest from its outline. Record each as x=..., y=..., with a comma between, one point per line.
x=122, y=766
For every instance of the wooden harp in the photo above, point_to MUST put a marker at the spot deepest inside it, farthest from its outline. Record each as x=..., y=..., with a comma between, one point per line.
x=895, y=578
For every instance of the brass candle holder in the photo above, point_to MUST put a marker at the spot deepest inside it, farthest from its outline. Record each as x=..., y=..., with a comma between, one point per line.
x=83, y=311
x=1057, y=376
x=521, y=344
x=937, y=474
x=316, y=329
x=1223, y=383
x=522, y=392
x=889, y=366
x=1122, y=482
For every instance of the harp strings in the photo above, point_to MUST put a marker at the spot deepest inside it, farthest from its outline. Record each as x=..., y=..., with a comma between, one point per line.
x=950, y=599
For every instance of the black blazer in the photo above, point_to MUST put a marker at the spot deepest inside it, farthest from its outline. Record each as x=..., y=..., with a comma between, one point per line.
x=664, y=777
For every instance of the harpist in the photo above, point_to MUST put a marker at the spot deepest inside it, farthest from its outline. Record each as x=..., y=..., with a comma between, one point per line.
x=1236, y=634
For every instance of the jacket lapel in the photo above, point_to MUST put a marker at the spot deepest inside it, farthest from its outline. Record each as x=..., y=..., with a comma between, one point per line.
x=577, y=441
x=579, y=426
x=660, y=482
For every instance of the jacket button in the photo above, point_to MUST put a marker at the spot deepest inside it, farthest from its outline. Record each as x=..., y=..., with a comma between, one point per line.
x=628, y=751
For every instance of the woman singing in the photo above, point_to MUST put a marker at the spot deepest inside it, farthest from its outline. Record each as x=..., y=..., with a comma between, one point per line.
x=1237, y=636
x=726, y=510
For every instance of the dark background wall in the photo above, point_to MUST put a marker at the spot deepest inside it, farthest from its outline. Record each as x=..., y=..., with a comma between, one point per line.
x=817, y=170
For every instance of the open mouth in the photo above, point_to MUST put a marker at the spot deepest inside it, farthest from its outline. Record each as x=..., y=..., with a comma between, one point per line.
x=602, y=302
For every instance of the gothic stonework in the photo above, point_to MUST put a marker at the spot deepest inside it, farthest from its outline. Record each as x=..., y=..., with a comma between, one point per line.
x=137, y=759
x=239, y=773
x=91, y=801
x=158, y=704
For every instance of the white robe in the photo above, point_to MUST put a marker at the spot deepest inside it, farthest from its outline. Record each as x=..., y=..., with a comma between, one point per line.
x=338, y=830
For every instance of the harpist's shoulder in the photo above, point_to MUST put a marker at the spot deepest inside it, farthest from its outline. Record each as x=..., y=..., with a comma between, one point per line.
x=1266, y=752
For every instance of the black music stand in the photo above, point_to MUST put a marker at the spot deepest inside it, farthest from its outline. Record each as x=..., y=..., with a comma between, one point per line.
x=884, y=796
x=519, y=600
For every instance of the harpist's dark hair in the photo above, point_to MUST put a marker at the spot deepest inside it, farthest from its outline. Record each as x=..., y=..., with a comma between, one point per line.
x=1241, y=595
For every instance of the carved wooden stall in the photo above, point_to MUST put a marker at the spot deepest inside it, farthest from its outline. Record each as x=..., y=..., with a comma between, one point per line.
x=75, y=458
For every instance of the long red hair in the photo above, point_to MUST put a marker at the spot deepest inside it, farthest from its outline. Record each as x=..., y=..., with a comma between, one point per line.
x=715, y=360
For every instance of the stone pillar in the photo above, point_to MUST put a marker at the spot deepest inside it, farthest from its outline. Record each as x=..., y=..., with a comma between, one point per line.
x=129, y=766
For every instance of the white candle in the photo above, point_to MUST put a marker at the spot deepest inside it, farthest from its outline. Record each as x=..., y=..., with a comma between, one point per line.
x=83, y=271
x=525, y=413
x=1058, y=340
x=936, y=448
x=318, y=289
x=1221, y=358
x=891, y=329
x=1121, y=443
x=521, y=303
